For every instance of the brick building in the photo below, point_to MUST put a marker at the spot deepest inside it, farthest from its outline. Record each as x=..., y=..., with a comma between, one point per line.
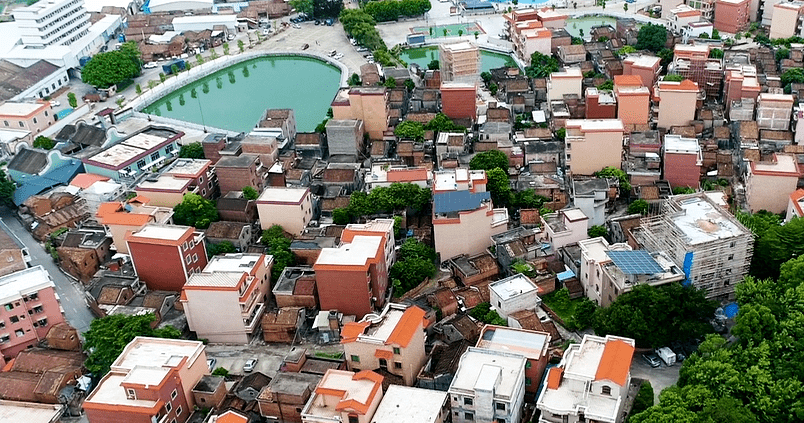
x=164, y=256
x=236, y=172
x=458, y=100
x=732, y=16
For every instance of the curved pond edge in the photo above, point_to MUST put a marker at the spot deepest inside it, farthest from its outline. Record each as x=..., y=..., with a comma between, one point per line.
x=207, y=68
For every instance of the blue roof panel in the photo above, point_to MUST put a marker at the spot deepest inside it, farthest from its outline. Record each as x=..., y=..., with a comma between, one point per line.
x=637, y=262
x=457, y=201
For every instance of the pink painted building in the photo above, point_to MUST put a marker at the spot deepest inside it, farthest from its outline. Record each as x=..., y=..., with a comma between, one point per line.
x=28, y=309
x=644, y=66
x=732, y=16
x=682, y=161
x=633, y=99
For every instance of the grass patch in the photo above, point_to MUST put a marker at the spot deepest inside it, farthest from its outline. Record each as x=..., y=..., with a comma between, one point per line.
x=559, y=302
x=332, y=355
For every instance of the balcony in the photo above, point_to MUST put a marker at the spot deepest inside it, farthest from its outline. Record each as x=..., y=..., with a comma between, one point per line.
x=253, y=319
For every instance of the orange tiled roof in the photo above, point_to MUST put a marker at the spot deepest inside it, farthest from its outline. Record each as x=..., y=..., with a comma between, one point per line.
x=128, y=219
x=407, y=175
x=407, y=327
x=232, y=417
x=140, y=199
x=554, y=377
x=108, y=208
x=384, y=354
x=358, y=406
x=615, y=362
x=352, y=330
x=628, y=80
x=85, y=180
x=794, y=197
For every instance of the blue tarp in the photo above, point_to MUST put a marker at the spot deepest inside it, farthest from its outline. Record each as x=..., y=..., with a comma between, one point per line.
x=730, y=310
x=567, y=274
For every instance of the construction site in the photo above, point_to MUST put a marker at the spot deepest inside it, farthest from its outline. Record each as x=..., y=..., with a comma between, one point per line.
x=700, y=235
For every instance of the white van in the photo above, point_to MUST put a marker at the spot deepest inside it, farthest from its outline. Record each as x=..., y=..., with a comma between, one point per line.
x=333, y=53
x=667, y=355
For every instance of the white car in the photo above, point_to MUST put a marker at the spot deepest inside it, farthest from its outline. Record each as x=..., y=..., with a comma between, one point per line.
x=149, y=65
x=338, y=56
x=297, y=26
x=54, y=103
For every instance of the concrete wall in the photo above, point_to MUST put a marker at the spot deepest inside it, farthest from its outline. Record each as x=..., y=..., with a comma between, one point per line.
x=771, y=193
x=595, y=151
x=469, y=234
x=676, y=108
x=225, y=325
x=292, y=217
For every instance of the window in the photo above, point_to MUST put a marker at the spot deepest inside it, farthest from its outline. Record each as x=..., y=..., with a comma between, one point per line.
x=397, y=365
x=141, y=164
x=500, y=406
x=168, y=407
x=38, y=309
x=397, y=351
x=188, y=259
x=2, y=324
x=606, y=390
x=169, y=148
x=14, y=319
x=22, y=124
x=131, y=393
x=353, y=419
x=155, y=156
x=469, y=416
x=356, y=358
x=500, y=420
x=5, y=122
x=9, y=307
x=173, y=394
x=178, y=411
x=468, y=401
x=19, y=333
x=34, y=120
x=195, y=258
x=4, y=338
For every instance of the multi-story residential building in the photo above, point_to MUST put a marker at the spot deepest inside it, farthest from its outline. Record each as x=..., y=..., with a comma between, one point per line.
x=458, y=100
x=531, y=344
x=592, y=144
x=774, y=111
x=711, y=246
x=692, y=61
x=529, y=37
x=697, y=29
x=121, y=218
x=430, y=406
x=682, y=161
x=707, y=7
x=200, y=173
x=345, y=136
x=740, y=82
x=764, y=10
x=135, y=155
x=681, y=16
x=633, y=100
x=512, y=294
x=677, y=101
x=768, y=184
x=600, y=104
x=376, y=227
x=164, y=256
x=568, y=81
x=239, y=286
x=463, y=215
x=290, y=208
x=627, y=269
x=488, y=387
x=343, y=396
x=236, y=172
x=590, y=383
x=795, y=205
x=181, y=177
x=283, y=120
x=58, y=22
x=593, y=255
x=787, y=20
x=367, y=104
x=29, y=307
x=566, y=226
x=459, y=61
x=151, y=381
x=353, y=278
x=394, y=343
x=591, y=197
x=643, y=66
x=33, y=117
x=382, y=175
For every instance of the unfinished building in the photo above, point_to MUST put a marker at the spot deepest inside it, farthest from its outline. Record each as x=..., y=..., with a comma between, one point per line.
x=711, y=247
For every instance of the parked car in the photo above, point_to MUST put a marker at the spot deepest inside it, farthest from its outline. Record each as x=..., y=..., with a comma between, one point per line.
x=150, y=65
x=250, y=365
x=54, y=103
x=332, y=53
x=297, y=26
x=318, y=21
x=338, y=56
x=652, y=359
x=667, y=355
x=330, y=21
x=211, y=362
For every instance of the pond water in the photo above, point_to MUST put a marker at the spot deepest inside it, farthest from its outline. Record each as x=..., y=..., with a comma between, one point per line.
x=575, y=25
x=234, y=98
x=424, y=55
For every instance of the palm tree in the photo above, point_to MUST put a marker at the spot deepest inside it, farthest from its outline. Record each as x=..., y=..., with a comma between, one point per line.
x=445, y=32
x=460, y=33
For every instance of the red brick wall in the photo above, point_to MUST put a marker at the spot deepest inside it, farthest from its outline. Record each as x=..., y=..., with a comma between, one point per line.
x=160, y=266
x=681, y=170
x=598, y=111
x=458, y=104
x=730, y=17
x=111, y=416
x=234, y=179
x=345, y=291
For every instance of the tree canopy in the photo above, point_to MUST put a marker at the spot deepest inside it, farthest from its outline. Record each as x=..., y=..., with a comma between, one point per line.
x=499, y=186
x=485, y=314
x=414, y=264
x=488, y=160
x=107, y=336
x=651, y=37
x=196, y=211
x=655, y=316
x=613, y=172
x=360, y=26
x=776, y=245
x=442, y=123
x=44, y=142
x=638, y=207
x=541, y=65
x=7, y=188
x=224, y=247
x=193, y=150
x=596, y=231
x=302, y=6
x=391, y=10
x=279, y=247
x=249, y=193
x=410, y=130
x=111, y=67
x=397, y=196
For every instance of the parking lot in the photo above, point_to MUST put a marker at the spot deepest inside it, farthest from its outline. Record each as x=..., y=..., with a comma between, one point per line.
x=269, y=356
x=660, y=377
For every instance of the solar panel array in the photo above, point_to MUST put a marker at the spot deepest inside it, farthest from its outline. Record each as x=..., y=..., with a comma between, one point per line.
x=637, y=262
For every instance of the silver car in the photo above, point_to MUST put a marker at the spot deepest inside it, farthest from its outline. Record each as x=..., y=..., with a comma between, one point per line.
x=250, y=365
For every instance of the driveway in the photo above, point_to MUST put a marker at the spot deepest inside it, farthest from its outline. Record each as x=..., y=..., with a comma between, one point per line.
x=660, y=377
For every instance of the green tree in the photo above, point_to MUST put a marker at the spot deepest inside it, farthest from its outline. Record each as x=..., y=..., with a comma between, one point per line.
x=596, y=231
x=499, y=186
x=625, y=7
x=410, y=85
x=715, y=34
x=249, y=193
x=613, y=172
x=651, y=37
x=644, y=398
x=584, y=313
x=109, y=68
x=486, y=77
x=485, y=314
x=192, y=151
x=354, y=80
x=224, y=247
x=666, y=55
x=442, y=123
x=792, y=75
x=44, y=142
x=528, y=199
x=777, y=245
x=541, y=65
x=410, y=130
x=477, y=35
x=415, y=262
x=493, y=89
x=199, y=59
x=302, y=6
x=162, y=77
x=72, y=100
x=561, y=133
x=434, y=64
x=220, y=371
x=460, y=33
x=279, y=247
x=606, y=86
x=196, y=211
x=241, y=46
x=638, y=207
x=7, y=188
x=390, y=82
x=716, y=53
x=683, y=190
x=444, y=31
x=341, y=216
x=487, y=160
x=107, y=336
x=626, y=50
x=138, y=89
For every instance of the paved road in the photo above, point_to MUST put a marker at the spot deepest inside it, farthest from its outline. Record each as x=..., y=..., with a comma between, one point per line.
x=71, y=294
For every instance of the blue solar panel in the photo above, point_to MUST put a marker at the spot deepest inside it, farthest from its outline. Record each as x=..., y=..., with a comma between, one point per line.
x=637, y=262
x=456, y=201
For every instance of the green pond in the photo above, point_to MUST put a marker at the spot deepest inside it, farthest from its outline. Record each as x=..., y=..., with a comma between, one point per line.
x=424, y=55
x=235, y=98
x=575, y=25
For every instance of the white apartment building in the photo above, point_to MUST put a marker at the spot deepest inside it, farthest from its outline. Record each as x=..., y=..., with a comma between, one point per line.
x=513, y=294
x=488, y=387
x=52, y=22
